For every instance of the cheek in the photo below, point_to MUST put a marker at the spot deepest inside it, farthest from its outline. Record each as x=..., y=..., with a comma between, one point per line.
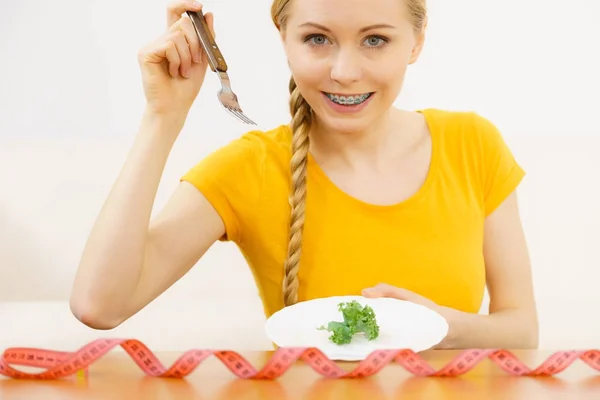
x=388, y=76
x=307, y=69
x=309, y=66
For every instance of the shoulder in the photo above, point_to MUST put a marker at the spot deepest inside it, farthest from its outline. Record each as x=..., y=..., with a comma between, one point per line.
x=474, y=146
x=232, y=177
x=258, y=143
x=240, y=165
x=276, y=137
x=464, y=128
x=246, y=152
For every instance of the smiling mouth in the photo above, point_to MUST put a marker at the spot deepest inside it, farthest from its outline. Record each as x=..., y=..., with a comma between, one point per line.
x=350, y=100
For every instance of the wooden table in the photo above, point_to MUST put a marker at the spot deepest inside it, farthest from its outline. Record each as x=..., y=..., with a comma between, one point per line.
x=116, y=376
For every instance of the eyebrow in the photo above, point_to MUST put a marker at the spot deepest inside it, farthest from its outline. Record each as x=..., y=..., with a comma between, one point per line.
x=366, y=28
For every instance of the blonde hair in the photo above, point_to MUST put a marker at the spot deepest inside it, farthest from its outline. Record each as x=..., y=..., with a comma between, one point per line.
x=302, y=118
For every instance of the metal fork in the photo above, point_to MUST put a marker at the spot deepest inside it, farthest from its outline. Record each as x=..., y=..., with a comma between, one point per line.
x=217, y=64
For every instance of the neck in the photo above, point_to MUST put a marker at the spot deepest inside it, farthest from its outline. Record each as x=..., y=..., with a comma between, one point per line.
x=351, y=148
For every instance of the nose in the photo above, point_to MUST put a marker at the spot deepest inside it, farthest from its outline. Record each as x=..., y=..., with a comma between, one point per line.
x=346, y=67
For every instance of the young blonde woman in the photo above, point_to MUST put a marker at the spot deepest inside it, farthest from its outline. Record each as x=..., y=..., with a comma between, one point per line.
x=353, y=196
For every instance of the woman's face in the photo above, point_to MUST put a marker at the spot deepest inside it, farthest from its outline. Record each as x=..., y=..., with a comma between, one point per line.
x=349, y=57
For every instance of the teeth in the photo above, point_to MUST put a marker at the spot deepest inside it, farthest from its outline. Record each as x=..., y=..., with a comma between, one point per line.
x=345, y=100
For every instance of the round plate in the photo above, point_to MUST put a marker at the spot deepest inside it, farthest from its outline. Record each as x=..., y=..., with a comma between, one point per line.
x=402, y=325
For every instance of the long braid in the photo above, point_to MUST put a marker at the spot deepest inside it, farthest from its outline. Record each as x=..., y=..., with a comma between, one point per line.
x=301, y=121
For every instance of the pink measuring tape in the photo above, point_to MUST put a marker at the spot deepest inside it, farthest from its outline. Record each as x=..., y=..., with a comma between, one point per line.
x=63, y=364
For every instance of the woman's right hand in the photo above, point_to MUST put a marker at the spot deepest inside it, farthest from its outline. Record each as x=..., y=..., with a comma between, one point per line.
x=174, y=65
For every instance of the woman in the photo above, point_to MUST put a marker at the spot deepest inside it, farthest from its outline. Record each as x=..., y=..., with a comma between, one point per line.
x=353, y=192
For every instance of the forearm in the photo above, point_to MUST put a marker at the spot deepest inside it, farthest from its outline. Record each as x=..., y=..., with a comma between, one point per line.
x=507, y=329
x=114, y=254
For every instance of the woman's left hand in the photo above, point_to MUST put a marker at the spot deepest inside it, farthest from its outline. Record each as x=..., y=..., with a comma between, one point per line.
x=385, y=290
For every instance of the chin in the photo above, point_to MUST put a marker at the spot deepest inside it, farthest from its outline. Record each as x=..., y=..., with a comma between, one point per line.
x=344, y=125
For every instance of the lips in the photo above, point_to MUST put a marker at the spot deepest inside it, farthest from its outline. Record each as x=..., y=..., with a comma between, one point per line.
x=347, y=99
x=350, y=105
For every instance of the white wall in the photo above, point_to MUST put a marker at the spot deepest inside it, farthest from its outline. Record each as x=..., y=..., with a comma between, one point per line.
x=70, y=102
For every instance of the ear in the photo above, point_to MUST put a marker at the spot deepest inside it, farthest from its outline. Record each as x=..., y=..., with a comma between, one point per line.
x=420, y=41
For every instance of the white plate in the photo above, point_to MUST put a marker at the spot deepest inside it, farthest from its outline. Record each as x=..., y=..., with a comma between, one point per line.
x=403, y=325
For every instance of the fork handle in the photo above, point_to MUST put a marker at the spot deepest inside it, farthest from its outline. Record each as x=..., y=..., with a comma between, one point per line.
x=215, y=58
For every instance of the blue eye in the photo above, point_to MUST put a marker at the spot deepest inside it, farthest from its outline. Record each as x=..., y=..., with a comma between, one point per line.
x=317, y=40
x=374, y=41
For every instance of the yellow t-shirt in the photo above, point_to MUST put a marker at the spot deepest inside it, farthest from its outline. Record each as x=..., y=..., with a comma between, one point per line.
x=431, y=244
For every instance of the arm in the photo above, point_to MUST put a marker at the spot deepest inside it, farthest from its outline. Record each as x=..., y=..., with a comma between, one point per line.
x=128, y=261
x=512, y=320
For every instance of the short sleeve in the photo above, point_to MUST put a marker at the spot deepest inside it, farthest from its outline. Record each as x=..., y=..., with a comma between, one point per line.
x=230, y=178
x=501, y=173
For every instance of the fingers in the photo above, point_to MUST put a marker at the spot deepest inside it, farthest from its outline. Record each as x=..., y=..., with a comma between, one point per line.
x=184, y=25
x=385, y=290
x=187, y=42
x=381, y=290
x=161, y=50
x=180, y=58
x=180, y=45
x=176, y=8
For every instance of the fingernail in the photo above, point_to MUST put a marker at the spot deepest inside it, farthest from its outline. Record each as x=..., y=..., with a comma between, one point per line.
x=196, y=4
